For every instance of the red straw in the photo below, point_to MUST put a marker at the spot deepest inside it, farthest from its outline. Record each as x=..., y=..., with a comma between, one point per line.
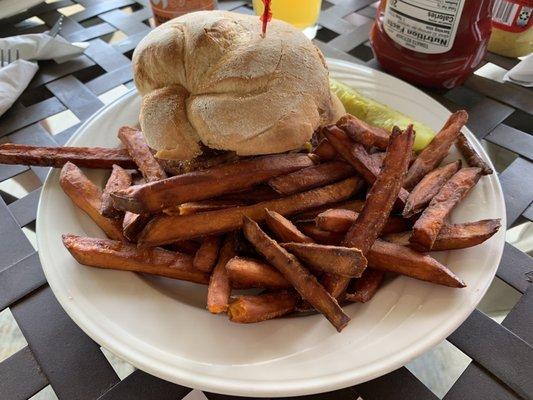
x=266, y=17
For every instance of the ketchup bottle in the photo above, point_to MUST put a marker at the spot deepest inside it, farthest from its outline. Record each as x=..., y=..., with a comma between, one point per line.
x=435, y=43
x=165, y=10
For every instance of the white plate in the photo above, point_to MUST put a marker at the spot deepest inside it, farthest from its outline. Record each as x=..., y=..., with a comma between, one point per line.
x=161, y=326
x=9, y=8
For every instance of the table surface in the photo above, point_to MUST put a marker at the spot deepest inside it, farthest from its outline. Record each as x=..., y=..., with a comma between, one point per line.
x=60, y=354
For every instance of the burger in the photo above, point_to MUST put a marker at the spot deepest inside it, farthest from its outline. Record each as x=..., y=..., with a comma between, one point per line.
x=212, y=84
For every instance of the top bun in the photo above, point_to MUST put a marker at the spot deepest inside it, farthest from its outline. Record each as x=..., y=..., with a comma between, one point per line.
x=211, y=77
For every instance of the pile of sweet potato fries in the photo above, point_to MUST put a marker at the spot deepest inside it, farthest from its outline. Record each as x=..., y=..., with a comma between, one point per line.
x=360, y=205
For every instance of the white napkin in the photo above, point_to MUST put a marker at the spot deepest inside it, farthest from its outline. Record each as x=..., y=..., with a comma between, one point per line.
x=522, y=73
x=13, y=80
x=40, y=46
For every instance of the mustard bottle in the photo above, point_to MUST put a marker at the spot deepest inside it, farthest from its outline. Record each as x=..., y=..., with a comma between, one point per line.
x=512, y=32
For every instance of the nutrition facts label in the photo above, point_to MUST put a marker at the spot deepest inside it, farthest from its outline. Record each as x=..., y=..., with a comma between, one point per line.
x=426, y=26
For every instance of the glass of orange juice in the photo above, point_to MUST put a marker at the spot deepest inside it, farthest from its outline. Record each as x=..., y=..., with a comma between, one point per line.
x=303, y=14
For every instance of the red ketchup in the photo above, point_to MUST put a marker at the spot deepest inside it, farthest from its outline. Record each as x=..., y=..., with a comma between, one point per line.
x=435, y=43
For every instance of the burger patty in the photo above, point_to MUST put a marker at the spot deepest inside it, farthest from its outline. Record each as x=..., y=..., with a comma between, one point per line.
x=207, y=160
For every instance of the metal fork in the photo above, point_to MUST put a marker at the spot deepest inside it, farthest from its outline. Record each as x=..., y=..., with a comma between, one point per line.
x=3, y=61
x=57, y=27
x=3, y=52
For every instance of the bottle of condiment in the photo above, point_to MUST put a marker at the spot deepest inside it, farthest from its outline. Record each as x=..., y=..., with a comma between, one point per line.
x=435, y=43
x=512, y=28
x=165, y=10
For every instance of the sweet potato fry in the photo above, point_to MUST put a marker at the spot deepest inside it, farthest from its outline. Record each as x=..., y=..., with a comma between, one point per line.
x=437, y=150
x=428, y=226
x=454, y=236
x=428, y=188
x=194, y=207
x=354, y=205
x=284, y=229
x=460, y=236
x=133, y=224
x=200, y=185
x=379, y=202
x=302, y=280
x=168, y=229
x=378, y=158
x=311, y=177
x=219, y=289
x=139, y=151
x=206, y=256
x=83, y=157
x=354, y=153
x=88, y=197
x=357, y=156
x=383, y=193
x=184, y=246
x=473, y=159
x=256, y=194
x=361, y=132
x=337, y=260
x=119, y=179
x=396, y=258
x=338, y=220
x=366, y=287
x=402, y=260
x=310, y=229
x=112, y=254
x=248, y=309
x=325, y=150
x=247, y=273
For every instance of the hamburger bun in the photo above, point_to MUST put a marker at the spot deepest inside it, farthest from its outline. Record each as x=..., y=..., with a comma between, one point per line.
x=210, y=78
